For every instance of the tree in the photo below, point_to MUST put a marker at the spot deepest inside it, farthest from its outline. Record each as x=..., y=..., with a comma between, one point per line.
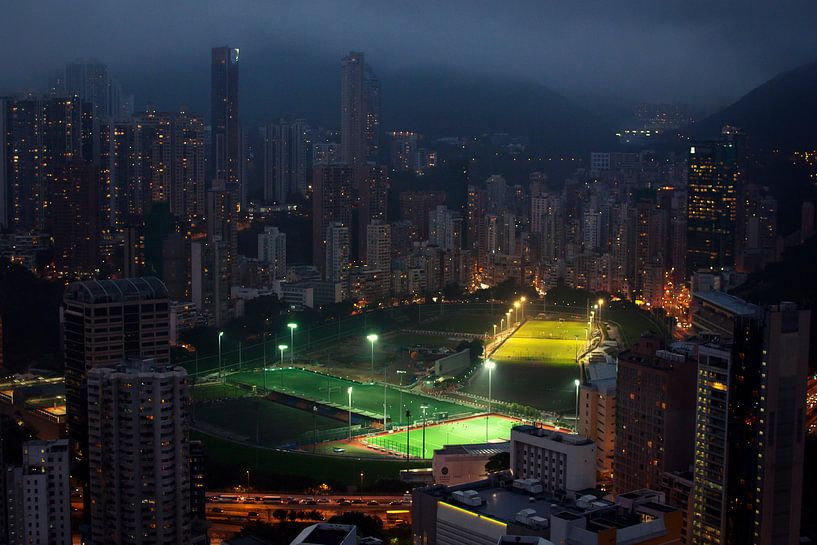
x=498, y=462
x=367, y=525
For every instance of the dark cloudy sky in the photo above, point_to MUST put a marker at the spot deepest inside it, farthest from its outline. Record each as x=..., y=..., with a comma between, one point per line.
x=704, y=52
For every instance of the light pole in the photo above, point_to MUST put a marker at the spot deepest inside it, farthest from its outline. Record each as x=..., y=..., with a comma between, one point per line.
x=502, y=324
x=490, y=365
x=522, y=304
x=372, y=338
x=424, y=409
x=349, y=391
x=282, y=348
x=408, y=434
x=385, y=408
x=220, y=335
x=401, y=373
x=601, y=304
x=248, y=479
x=292, y=327
x=516, y=306
x=494, y=330
x=577, y=382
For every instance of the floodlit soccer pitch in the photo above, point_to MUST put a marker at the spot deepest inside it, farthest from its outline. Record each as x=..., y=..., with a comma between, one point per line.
x=544, y=341
x=332, y=390
x=458, y=432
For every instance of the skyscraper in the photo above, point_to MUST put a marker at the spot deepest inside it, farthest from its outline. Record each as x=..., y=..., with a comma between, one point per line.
x=74, y=215
x=37, y=495
x=139, y=454
x=716, y=169
x=655, y=415
x=331, y=203
x=373, y=204
x=285, y=155
x=337, y=254
x=272, y=249
x=224, y=120
x=378, y=246
x=749, y=443
x=360, y=114
x=104, y=322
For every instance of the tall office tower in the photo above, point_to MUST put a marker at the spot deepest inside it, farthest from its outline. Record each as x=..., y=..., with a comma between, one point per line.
x=373, y=204
x=138, y=431
x=74, y=215
x=360, y=114
x=285, y=161
x=272, y=249
x=338, y=254
x=475, y=210
x=221, y=225
x=496, y=189
x=716, y=170
x=41, y=136
x=38, y=498
x=187, y=181
x=756, y=229
x=224, y=120
x=445, y=228
x=416, y=205
x=104, y=322
x=403, y=150
x=89, y=80
x=378, y=246
x=210, y=279
x=749, y=444
x=331, y=203
x=655, y=415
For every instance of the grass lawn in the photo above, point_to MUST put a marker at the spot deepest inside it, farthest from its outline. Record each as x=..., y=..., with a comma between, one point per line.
x=465, y=321
x=462, y=432
x=552, y=329
x=546, y=387
x=276, y=424
x=226, y=464
x=333, y=390
x=555, y=352
x=632, y=323
x=213, y=391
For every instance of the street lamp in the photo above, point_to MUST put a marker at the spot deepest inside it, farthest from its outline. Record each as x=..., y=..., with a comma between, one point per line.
x=248, y=479
x=372, y=339
x=502, y=324
x=292, y=327
x=516, y=311
x=349, y=391
x=494, y=330
x=220, y=335
x=577, y=382
x=601, y=304
x=490, y=365
x=424, y=408
x=282, y=348
x=401, y=372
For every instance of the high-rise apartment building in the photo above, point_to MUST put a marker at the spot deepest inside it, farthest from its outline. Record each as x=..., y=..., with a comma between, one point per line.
x=139, y=454
x=338, y=254
x=373, y=204
x=74, y=219
x=716, y=170
x=331, y=203
x=272, y=249
x=416, y=205
x=103, y=323
x=224, y=119
x=210, y=279
x=750, y=429
x=445, y=228
x=37, y=496
x=655, y=414
x=360, y=114
x=597, y=415
x=285, y=160
x=378, y=246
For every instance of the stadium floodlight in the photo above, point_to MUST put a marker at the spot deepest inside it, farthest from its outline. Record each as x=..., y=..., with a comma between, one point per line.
x=349, y=391
x=578, y=383
x=292, y=327
x=220, y=335
x=490, y=365
x=372, y=338
x=282, y=348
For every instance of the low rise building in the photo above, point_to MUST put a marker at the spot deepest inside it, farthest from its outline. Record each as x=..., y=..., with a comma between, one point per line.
x=457, y=464
x=564, y=463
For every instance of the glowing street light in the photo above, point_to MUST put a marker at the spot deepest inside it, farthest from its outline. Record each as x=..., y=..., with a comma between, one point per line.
x=490, y=365
x=282, y=348
x=577, y=382
x=372, y=338
x=220, y=335
x=292, y=327
x=349, y=391
x=494, y=330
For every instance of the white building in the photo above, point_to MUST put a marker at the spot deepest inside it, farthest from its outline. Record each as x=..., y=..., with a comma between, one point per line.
x=378, y=246
x=597, y=414
x=560, y=461
x=37, y=496
x=457, y=464
x=272, y=249
x=138, y=426
x=337, y=254
x=327, y=534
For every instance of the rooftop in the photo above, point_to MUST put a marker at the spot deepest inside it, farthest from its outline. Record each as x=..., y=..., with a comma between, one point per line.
x=553, y=435
x=729, y=303
x=111, y=291
x=477, y=449
x=324, y=534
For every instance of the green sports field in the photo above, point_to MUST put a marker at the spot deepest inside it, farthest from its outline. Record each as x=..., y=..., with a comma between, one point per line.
x=536, y=366
x=459, y=432
x=366, y=398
